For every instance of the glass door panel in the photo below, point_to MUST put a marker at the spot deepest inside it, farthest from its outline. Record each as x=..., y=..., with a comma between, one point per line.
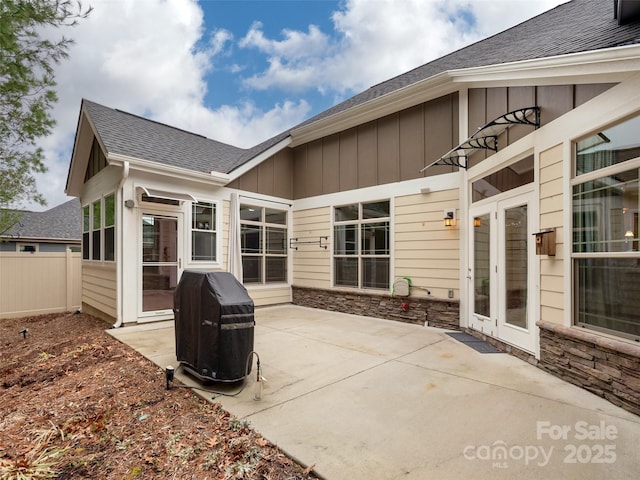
x=516, y=265
x=160, y=262
x=482, y=265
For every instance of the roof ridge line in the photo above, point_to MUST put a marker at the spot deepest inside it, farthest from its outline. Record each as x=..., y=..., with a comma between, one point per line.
x=165, y=125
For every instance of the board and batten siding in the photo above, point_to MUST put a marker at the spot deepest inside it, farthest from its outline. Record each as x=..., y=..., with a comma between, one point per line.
x=311, y=263
x=38, y=283
x=425, y=250
x=487, y=104
x=551, y=216
x=99, y=287
x=387, y=150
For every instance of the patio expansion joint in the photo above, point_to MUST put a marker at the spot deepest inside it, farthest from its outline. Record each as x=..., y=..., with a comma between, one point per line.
x=354, y=374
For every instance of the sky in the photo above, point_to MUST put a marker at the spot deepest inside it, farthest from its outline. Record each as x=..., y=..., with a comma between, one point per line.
x=241, y=71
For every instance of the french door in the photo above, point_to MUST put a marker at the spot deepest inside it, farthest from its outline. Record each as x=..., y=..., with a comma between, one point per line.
x=501, y=271
x=161, y=262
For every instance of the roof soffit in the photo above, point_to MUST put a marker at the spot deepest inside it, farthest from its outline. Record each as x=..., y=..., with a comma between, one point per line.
x=600, y=66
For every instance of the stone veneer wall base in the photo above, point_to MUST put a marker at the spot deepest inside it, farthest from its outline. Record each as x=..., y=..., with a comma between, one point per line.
x=433, y=312
x=605, y=366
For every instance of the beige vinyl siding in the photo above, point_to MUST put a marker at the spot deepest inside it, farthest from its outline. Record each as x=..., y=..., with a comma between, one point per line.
x=312, y=264
x=99, y=287
x=264, y=295
x=426, y=250
x=551, y=216
x=32, y=284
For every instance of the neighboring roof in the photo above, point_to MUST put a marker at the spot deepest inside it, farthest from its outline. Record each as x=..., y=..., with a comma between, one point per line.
x=577, y=26
x=63, y=222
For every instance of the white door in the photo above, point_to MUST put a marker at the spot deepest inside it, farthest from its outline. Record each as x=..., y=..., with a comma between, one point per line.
x=501, y=274
x=161, y=262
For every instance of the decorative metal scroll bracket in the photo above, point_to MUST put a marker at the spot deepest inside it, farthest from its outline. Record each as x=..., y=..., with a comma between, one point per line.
x=486, y=137
x=322, y=242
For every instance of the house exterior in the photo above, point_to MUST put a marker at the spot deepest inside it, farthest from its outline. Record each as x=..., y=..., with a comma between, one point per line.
x=501, y=180
x=40, y=267
x=54, y=230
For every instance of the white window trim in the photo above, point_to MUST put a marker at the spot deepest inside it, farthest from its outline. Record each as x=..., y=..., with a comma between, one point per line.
x=217, y=230
x=35, y=245
x=288, y=228
x=571, y=277
x=103, y=227
x=359, y=256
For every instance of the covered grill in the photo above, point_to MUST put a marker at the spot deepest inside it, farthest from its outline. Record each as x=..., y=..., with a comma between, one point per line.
x=214, y=325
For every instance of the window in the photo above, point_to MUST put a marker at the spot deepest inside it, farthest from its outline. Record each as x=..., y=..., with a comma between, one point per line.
x=28, y=247
x=263, y=233
x=86, y=224
x=606, y=260
x=98, y=229
x=508, y=178
x=96, y=232
x=361, y=245
x=109, y=228
x=203, y=232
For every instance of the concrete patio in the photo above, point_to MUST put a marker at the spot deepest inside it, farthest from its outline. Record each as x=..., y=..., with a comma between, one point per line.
x=363, y=398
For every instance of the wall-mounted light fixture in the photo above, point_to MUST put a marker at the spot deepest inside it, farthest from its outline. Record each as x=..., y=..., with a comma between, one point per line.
x=477, y=222
x=129, y=203
x=449, y=217
x=628, y=235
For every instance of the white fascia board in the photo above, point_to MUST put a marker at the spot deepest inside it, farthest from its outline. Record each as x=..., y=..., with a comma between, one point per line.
x=258, y=159
x=212, y=178
x=422, y=185
x=78, y=166
x=406, y=97
x=599, y=66
x=606, y=65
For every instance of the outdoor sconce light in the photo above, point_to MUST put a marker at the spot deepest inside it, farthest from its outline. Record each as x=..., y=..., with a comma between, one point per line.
x=129, y=203
x=628, y=235
x=477, y=222
x=449, y=217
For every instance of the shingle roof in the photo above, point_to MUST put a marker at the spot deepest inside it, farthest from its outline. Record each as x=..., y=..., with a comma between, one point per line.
x=63, y=222
x=138, y=137
x=577, y=26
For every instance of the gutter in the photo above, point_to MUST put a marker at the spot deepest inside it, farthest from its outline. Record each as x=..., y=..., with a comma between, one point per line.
x=119, y=274
x=209, y=178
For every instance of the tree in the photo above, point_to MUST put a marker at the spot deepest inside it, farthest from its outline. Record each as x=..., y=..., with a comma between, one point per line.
x=27, y=92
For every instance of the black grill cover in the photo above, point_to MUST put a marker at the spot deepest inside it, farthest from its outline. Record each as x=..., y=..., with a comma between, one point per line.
x=214, y=325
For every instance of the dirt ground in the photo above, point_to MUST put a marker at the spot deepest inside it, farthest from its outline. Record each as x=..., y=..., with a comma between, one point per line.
x=76, y=403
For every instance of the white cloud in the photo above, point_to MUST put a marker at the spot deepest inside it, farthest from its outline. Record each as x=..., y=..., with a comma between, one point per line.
x=376, y=40
x=152, y=57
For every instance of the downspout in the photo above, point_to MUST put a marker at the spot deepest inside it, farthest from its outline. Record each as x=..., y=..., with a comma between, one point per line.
x=119, y=274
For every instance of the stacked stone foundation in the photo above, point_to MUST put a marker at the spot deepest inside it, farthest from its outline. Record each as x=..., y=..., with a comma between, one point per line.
x=605, y=366
x=428, y=311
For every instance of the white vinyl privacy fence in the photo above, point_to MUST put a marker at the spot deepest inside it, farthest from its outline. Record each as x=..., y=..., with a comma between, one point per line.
x=39, y=282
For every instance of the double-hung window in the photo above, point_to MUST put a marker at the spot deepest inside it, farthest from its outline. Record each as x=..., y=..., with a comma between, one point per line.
x=605, y=253
x=203, y=232
x=361, y=245
x=263, y=233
